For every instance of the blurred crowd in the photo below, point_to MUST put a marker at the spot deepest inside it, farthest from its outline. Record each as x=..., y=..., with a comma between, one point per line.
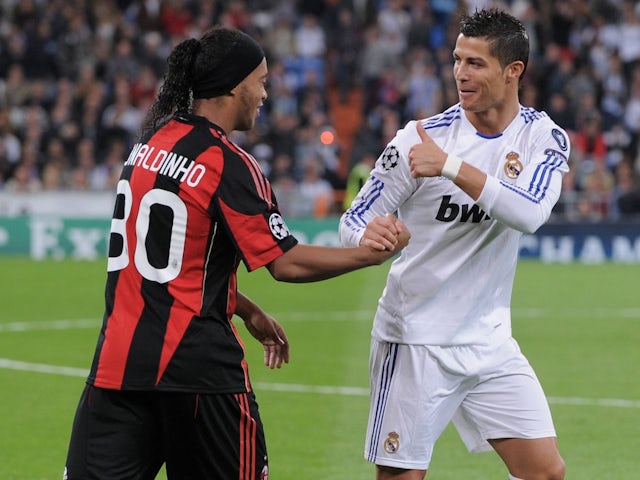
x=78, y=76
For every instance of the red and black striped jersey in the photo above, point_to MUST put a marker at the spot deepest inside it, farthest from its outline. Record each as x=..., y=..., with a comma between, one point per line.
x=190, y=205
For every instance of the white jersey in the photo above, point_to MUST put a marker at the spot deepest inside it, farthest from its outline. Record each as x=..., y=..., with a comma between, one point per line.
x=452, y=284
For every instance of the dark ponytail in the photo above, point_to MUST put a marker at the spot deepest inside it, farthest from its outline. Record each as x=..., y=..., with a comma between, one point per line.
x=176, y=91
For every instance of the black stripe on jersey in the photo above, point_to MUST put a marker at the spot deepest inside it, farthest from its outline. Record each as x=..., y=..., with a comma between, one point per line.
x=196, y=141
x=115, y=247
x=221, y=261
x=243, y=190
x=152, y=324
x=262, y=185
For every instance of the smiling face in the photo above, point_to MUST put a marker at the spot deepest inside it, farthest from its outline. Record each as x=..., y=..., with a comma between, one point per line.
x=251, y=94
x=485, y=87
x=479, y=76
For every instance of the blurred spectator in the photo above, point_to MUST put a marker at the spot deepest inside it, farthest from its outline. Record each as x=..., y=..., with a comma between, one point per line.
x=279, y=38
x=619, y=145
x=24, y=180
x=10, y=147
x=358, y=176
x=316, y=194
x=424, y=92
x=629, y=39
x=15, y=87
x=588, y=143
x=344, y=44
x=394, y=22
x=121, y=115
x=625, y=195
x=309, y=38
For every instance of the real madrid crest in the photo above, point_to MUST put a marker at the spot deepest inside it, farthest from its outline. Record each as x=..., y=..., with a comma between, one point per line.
x=392, y=443
x=513, y=166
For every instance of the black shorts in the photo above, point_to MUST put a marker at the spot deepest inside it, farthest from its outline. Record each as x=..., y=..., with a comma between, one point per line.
x=125, y=435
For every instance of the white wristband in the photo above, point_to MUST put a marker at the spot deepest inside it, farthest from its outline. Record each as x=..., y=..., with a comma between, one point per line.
x=451, y=167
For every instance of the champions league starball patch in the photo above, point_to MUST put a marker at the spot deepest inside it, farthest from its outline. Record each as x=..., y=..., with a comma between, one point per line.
x=513, y=165
x=392, y=443
x=389, y=158
x=560, y=139
x=277, y=226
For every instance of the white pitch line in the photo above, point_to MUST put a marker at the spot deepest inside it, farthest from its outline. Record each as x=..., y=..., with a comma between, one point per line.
x=342, y=315
x=8, y=364
x=49, y=325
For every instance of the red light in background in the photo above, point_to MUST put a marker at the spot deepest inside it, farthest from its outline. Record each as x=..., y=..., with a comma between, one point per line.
x=327, y=137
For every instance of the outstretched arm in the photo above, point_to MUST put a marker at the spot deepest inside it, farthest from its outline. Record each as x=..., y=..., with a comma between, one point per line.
x=311, y=263
x=266, y=330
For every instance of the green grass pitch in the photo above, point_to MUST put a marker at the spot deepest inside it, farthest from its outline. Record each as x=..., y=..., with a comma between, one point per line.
x=579, y=326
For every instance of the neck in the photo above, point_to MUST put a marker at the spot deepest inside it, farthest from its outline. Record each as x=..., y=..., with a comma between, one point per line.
x=493, y=121
x=216, y=111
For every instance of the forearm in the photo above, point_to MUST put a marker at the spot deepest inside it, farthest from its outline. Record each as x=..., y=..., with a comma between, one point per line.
x=470, y=179
x=509, y=204
x=309, y=263
x=245, y=307
x=519, y=208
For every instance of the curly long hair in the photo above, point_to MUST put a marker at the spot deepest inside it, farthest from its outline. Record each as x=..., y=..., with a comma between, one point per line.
x=190, y=60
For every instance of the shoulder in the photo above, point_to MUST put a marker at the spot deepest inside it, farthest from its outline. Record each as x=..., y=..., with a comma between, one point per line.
x=544, y=129
x=544, y=133
x=444, y=120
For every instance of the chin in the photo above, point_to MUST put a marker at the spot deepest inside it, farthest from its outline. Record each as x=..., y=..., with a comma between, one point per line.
x=244, y=126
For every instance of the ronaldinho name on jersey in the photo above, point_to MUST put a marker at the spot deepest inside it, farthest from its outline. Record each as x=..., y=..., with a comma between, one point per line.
x=178, y=167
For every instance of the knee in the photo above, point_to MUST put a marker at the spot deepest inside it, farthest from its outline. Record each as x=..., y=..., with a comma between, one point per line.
x=557, y=470
x=551, y=471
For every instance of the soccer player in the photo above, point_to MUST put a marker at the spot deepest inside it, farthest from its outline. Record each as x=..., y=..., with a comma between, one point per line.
x=169, y=382
x=467, y=183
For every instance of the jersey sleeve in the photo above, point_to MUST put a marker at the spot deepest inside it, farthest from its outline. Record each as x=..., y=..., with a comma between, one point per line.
x=389, y=185
x=250, y=213
x=527, y=204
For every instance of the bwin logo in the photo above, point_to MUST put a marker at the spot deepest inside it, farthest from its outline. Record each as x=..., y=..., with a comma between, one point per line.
x=449, y=212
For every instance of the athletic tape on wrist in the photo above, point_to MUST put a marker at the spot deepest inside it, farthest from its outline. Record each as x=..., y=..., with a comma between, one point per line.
x=451, y=167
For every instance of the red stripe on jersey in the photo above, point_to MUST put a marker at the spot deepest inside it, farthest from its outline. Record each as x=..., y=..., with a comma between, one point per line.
x=248, y=433
x=262, y=185
x=252, y=236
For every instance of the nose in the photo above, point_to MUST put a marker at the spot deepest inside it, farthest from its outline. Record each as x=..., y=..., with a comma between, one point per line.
x=459, y=73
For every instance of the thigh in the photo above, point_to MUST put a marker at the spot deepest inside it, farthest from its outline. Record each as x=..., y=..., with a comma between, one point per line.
x=531, y=458
x=115, y=435
x=214, y=437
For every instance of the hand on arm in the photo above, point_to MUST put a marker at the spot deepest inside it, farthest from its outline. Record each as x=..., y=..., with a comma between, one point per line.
x=266, y=330
x=427, y=159
x=382, y=233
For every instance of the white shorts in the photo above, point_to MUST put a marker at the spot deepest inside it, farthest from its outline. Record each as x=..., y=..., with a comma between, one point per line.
x=416, y=390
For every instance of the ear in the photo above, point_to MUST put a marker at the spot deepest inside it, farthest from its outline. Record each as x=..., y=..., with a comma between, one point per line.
x=514, y=71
